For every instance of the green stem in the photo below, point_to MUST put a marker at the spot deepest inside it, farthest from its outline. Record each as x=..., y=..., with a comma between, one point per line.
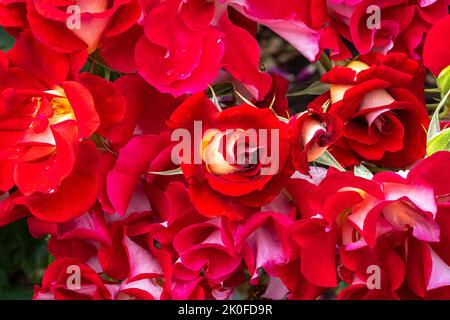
x=432, y=90
x=432, y=106
x=107, y=75
x=325, y=62
x=444, y=113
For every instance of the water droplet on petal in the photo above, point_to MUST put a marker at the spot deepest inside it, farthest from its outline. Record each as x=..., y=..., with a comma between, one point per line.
x=185, y=75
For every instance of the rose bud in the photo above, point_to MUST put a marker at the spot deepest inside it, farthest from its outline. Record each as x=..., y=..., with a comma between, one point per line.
x=313, y=133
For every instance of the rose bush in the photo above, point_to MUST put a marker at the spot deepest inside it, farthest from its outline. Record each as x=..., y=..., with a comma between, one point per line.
x=160, y=151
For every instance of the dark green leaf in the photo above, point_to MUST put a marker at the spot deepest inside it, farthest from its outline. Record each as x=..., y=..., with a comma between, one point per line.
x=316, y=89
x=6, y=40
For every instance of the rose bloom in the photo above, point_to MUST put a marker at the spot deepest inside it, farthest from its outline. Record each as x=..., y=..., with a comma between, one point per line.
x=49, y=21
x=402, y=25
x=408, y=229
x=46, y=116
x=389, y=220
x=57, y=284
x=380, y=101
x=229, y=173
x=313, y=132
x=179, y=46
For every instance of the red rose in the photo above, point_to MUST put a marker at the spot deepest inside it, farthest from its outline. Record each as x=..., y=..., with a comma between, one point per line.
x=380, y=101
x=186, y=43
x=276, y=98
x=78, y=238
x=182, y=45
x=384, y=26
x=390, y=220
x=238, y=162
x=71, y=26
x=206, y=246
x=263, y=242
x=313, y=133
x=60, y=283
x=13, y=15
x=45, y=116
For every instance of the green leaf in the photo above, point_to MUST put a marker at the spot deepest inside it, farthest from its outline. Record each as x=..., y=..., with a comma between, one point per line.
x=22, y=260
x=443, y=80
x=315, y=89
x=363, y=172
x=326, y=62
x=435, y=127
x=6, y=40
x=327, y=159
x=223, y=89
x=172, y=172
x=16, y=293
x=440, y=142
